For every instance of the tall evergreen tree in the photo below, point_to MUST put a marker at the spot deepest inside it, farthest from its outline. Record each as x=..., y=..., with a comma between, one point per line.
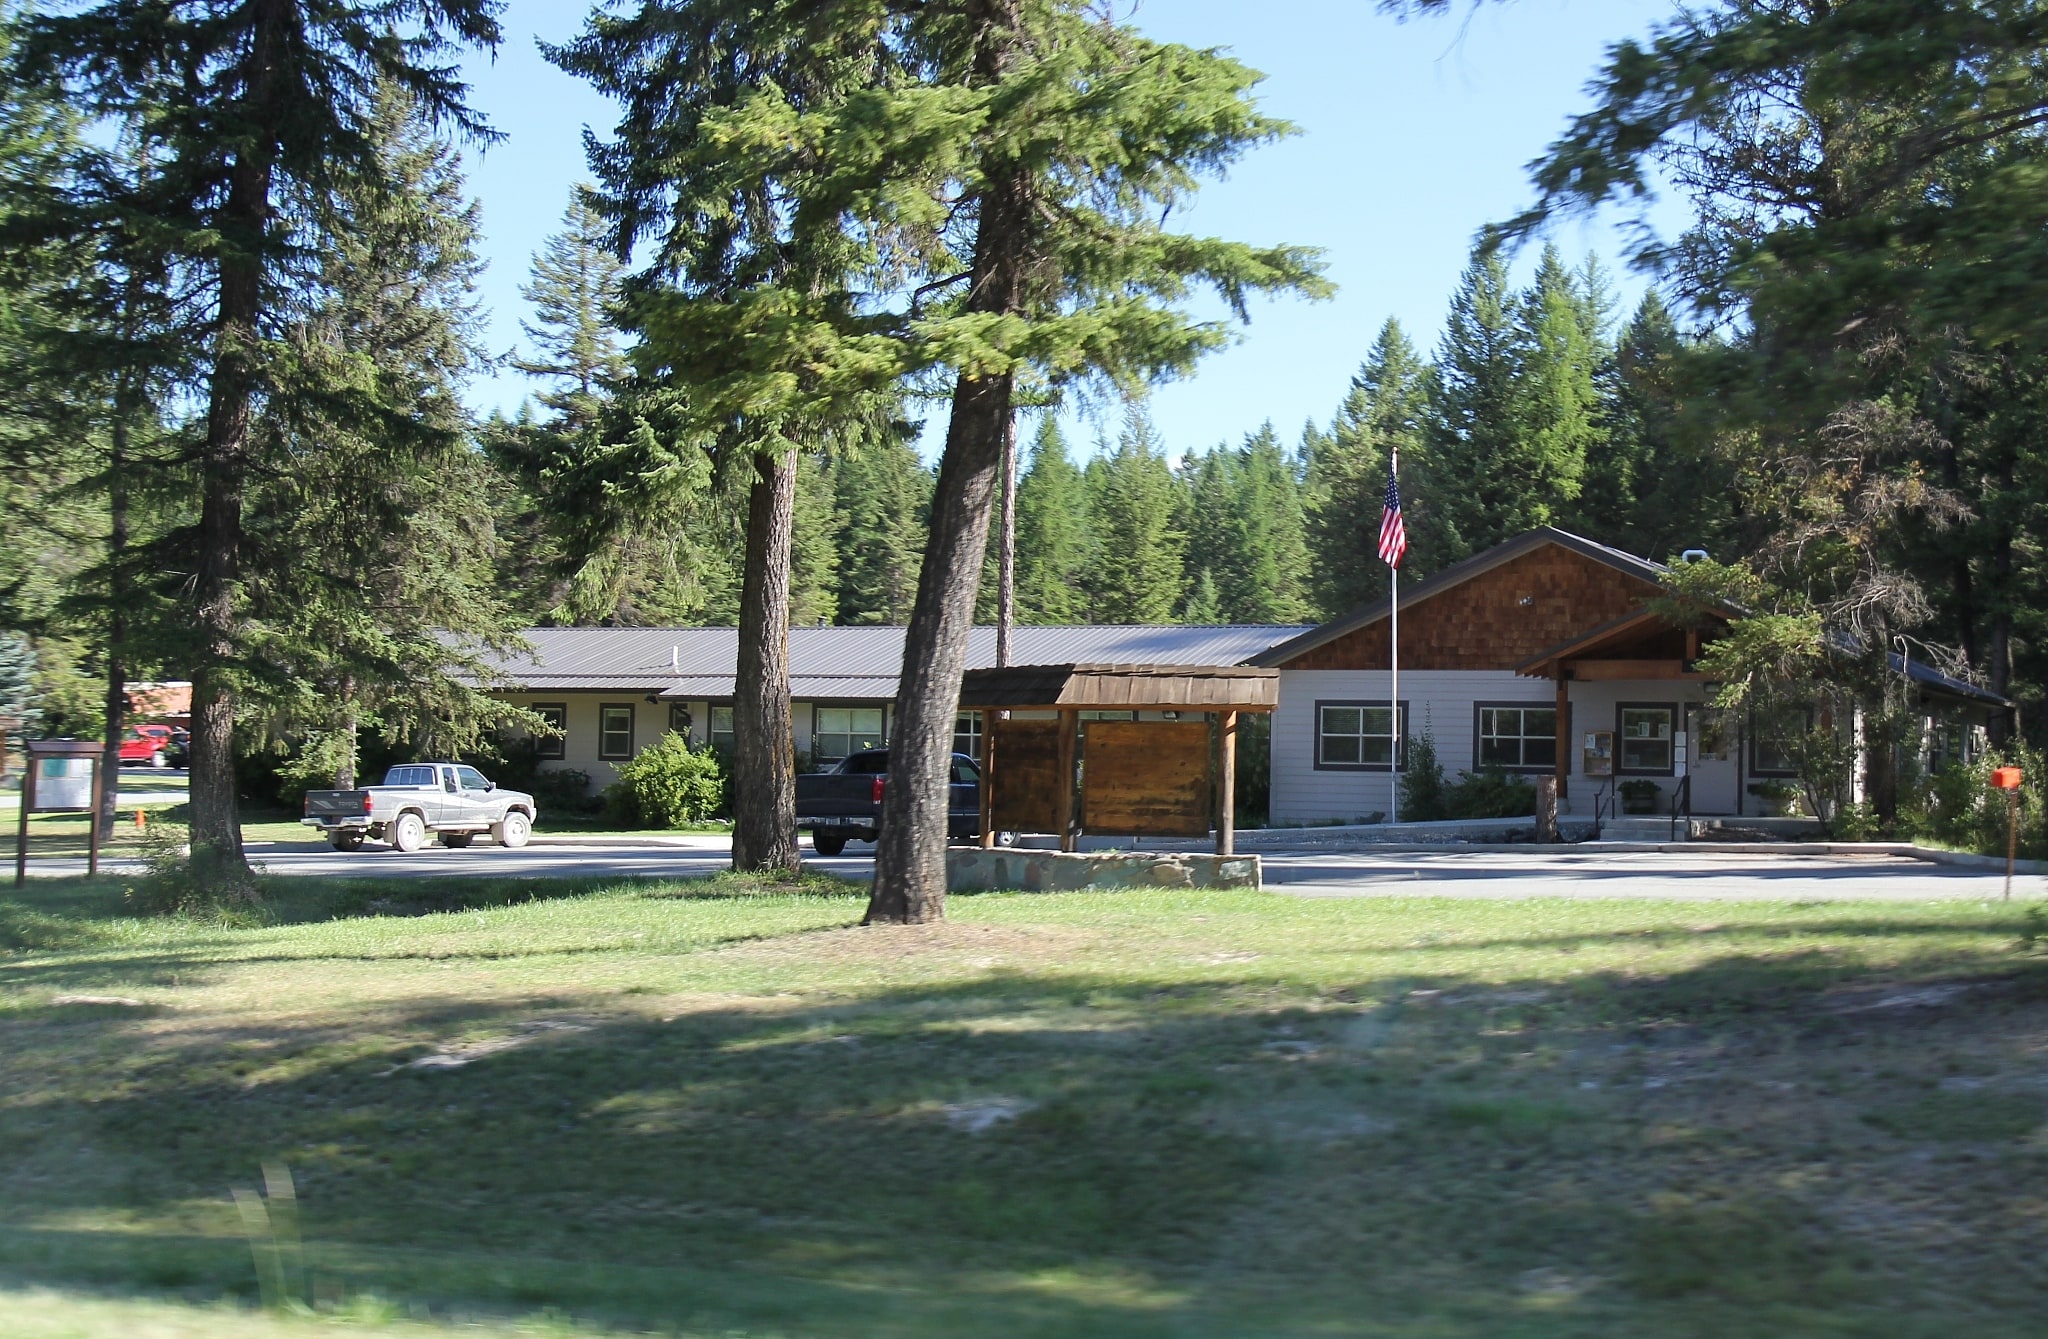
x=1135, y=575
x=249, y=107
x=1052, y=533
x=883, y=492
x=1385, y=411
x=574, y=287
x=1562, y=346
x=1266, y=577
x=371, y=524
x=1474, y=428
x=815, y=526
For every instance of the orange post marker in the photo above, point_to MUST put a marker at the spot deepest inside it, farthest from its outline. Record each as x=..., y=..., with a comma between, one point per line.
x=140, y=820
x=2006, y=778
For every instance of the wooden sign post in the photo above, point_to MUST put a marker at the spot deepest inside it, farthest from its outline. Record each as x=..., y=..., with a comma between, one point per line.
x=2007, y=779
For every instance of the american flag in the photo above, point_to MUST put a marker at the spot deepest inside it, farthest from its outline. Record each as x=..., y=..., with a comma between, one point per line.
x=1393, y=534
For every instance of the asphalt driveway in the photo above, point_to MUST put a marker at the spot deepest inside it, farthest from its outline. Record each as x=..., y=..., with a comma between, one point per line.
x=1511, y=872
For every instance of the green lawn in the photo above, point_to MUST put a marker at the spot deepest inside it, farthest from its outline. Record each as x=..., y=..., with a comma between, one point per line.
x=720, y=1109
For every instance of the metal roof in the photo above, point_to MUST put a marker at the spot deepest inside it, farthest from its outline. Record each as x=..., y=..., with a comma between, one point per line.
x=853, y=663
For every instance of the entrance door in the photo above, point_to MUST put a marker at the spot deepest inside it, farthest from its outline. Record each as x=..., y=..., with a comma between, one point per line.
x=1713, y=747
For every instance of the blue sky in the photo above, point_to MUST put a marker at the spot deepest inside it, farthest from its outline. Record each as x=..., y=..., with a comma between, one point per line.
x=1413, y=136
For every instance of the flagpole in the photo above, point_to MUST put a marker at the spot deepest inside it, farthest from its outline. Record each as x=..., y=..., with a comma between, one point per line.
x=1394, y=663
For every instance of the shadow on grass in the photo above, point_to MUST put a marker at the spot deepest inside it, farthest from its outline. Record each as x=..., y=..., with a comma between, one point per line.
x=1024, y=1153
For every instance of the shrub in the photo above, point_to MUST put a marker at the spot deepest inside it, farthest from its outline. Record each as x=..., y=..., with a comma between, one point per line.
x=667, y=786
x=1424, y=796
x=1491, y=793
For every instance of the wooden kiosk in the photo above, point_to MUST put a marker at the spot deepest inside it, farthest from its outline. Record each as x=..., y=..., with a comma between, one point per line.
x=1046, y=770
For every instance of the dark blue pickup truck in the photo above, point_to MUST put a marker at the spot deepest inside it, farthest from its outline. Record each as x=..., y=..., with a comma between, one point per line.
x=845, y=804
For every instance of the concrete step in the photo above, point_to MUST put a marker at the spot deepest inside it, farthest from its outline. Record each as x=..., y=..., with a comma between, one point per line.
x=1640, y=828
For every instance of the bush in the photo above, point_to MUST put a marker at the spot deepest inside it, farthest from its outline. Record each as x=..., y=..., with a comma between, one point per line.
x=1424, y=796
x=1491, y=793
x=669, y=785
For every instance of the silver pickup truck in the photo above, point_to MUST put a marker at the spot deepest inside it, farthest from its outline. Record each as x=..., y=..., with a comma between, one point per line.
x=456, y=801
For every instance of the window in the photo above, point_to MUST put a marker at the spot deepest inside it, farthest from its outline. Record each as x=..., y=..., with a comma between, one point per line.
x=1516, y=738
x=721, y=729
x=965, y=774
x=679, y=721
x=1358, y=735
x=413, y=774
x=842, y=730
x=470, y=779
x=967, y=734
x=615, y=730
x=1644, y=736
x=554, y=745
x=1771, y=744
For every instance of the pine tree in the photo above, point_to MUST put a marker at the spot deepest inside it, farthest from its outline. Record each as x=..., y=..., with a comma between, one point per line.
x=1385, y=411
x=1052, y=534
x=17, y=692
x=1266, y=576
x=1563, y=344
x=1481, y=494
x=883, y=492
x=574, y=286
x=816, y=523
x=372, y=524
x=256, y=109
x=1135, y=576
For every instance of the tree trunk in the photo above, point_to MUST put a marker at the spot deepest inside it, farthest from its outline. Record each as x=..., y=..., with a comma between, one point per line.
x=117, y=622
x=216, y=823
x=763, y=767
x=910, y=854
x=2000, y=598
x=345, y=766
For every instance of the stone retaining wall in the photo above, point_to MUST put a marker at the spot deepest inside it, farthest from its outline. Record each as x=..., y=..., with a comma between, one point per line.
x=1011, y=869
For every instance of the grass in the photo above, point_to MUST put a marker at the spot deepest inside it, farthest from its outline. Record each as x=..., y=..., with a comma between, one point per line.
x=719, y=1108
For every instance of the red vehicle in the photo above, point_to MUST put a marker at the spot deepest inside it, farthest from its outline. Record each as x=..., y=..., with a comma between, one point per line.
x=146, y=743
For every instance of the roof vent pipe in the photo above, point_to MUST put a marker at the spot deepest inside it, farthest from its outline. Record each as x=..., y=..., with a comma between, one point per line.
x=675, y=657
x=1693, y=556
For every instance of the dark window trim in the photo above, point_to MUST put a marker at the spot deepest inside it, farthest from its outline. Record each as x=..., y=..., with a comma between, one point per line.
x=552, y=748
x=679, y=704
x=1527, y=769
x=632, y=731
x=1316, y=736
x=1755, y=738
x=1621, y=740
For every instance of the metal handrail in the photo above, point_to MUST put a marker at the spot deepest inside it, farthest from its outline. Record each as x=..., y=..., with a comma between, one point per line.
x=1604, y=802
x=1683, y=795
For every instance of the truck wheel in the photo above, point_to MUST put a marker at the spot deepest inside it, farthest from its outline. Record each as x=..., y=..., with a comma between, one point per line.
x=828, y=843
x=408, y=833
x=456, y=840
x=512, y=830
x=345, y=841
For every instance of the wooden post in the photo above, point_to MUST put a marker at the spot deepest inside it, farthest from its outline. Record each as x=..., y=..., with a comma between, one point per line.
x=988, y=781
x=2012, y=835
x=1226, y=787
x=1564, y=734
x=1546, y=809
x=1070, y=726
x=92, y=826
x=28, y=799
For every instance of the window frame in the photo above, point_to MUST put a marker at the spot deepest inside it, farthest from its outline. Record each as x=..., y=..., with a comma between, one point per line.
x=1479, y=763
x=881, y=733
x=1670, y=768
x=1401, y=723
x=974, y=733
x=677, y=707
x=726, y=740
x=1755, y=741
x=552, y=748
x=604, y=732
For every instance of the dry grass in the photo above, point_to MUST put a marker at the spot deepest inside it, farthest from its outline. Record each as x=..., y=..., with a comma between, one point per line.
x=723, y=1108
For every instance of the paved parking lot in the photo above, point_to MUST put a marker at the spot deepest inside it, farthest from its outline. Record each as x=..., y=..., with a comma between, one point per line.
x=1579, y=871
